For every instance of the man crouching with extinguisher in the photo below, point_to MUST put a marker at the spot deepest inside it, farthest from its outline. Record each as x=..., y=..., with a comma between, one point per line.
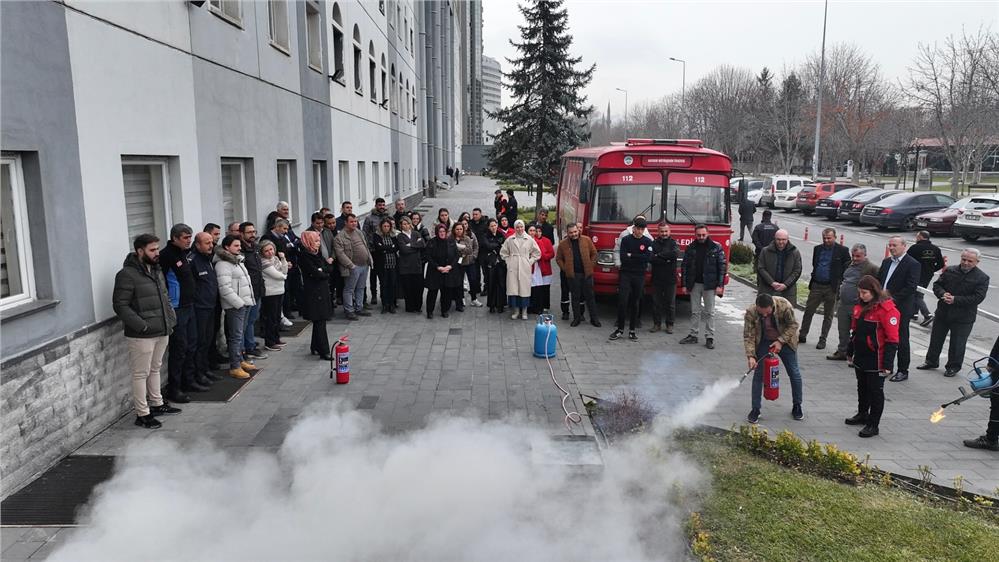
x=871, y=351
x=770, y=327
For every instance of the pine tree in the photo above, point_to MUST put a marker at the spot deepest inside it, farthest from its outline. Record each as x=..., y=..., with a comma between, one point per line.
x=549, y=115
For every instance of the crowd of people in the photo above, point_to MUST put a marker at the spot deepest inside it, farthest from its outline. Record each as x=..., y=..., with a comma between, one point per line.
x=873, y=306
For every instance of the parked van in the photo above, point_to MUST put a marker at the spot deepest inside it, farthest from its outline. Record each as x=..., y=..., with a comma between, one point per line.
x=780, y=184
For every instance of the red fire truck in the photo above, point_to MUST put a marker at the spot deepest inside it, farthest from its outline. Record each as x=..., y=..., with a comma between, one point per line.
x=673, y=180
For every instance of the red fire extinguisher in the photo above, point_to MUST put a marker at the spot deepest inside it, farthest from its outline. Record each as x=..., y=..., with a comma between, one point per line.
x=341, y=358
x=771, y=377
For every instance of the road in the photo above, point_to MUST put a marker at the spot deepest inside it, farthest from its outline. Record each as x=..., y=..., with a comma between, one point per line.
x=985, y=331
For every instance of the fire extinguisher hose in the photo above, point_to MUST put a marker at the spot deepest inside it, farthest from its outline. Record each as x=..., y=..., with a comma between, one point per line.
x=570, y=417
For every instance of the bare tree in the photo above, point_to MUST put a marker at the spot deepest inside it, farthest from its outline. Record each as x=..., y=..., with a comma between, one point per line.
x=718, y=108
x=785, y=121
x=950, y=82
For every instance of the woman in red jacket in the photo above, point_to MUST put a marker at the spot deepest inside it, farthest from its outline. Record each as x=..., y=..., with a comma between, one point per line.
x=541, y=273
x=871, y=351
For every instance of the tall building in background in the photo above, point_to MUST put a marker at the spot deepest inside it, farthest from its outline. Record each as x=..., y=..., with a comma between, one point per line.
x=492, y=88
x=472, y=71
x=227, y=107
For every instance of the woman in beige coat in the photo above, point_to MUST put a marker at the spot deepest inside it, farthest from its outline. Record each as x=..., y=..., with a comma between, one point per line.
x=519, y=251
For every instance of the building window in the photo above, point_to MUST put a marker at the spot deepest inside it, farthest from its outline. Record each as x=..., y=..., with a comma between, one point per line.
x=400, y=95
x=319, y=182
x=393, y=101
x=358, y=83
x=414, y=105
x=385, y=90
x=146, y=196
x=229, y=10
x=277, y=11
x=344, y=180
x=375, y=171
x=381, y=6
x=314, y=40
x=362, y=181
x=398, y=18
x=407, y=100
x=372, y=72
x=287, y=188
x=411, y=41
x=233, y=191
x=395, y=176
x=388, y=181
x=338, y=71
x=17, y=283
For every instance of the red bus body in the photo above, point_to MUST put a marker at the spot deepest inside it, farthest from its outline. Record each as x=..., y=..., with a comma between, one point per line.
x=676, y=181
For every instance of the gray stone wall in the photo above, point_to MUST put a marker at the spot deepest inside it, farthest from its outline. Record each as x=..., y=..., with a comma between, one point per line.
x=53, y=399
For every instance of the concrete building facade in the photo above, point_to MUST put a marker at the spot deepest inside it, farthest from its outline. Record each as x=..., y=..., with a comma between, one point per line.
x=121, y=118
x=492, y=91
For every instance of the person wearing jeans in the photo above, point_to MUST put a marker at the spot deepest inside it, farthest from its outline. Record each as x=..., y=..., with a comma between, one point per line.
x=769, y=326
x=703, y=273
x=251, y=260
x=237, y=298
x=141, y=302
x=275, y=271
x=354, y=260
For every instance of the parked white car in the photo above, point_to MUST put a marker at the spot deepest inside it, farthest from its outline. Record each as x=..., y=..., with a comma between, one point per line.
x=975, y=221
x=755, y=196
x=788, y=198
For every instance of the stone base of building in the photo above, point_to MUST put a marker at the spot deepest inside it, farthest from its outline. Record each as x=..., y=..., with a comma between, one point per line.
x=55, y=398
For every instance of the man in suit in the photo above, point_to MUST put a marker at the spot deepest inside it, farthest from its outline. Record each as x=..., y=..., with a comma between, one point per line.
x=899, y=275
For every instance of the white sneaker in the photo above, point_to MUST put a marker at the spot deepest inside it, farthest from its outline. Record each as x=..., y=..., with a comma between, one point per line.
x=523, y=315
x=515, y=315
x=286, y=323
x=475, y=303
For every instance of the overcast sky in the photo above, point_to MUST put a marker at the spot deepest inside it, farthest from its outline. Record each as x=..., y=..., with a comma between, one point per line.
x=631, y=41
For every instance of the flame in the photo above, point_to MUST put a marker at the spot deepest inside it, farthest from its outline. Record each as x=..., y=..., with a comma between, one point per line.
x=937, y=416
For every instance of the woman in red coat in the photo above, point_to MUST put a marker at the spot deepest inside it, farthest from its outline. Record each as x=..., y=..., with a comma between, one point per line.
x=541, y=273
x=871, y=351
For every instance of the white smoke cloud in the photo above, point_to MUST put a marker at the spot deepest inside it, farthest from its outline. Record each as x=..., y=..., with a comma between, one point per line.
x=341, y=489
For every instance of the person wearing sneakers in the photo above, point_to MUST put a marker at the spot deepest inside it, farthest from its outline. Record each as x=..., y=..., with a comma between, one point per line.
x=519, y=252
x=206, y=300
x=274, y=269
x=874, y=340
x=704, y=278
x=237, y=298
x=635, y=255
x=930, y=260
x=141, y=301
x=990, y=441
x=770, y=326
x=576, y=258
x=353, y=258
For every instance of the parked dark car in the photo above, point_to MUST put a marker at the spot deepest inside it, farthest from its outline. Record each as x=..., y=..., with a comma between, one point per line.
x=942, y=221
x=809, y=198
x=829, y=207
x=900, y=210
x=850, y=208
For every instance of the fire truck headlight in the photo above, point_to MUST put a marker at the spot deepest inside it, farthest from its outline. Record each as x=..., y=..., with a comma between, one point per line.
x=605, y=258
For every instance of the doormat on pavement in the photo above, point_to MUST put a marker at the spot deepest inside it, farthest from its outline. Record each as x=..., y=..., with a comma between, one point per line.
x=295, y=330
x=54, y=498
x=221, y=391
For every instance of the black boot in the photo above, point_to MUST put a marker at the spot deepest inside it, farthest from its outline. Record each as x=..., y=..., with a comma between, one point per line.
x=148, y=422
x=868, y=431
x=857, y=419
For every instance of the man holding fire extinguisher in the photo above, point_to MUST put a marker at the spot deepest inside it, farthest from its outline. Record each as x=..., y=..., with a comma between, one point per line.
x=770, y=328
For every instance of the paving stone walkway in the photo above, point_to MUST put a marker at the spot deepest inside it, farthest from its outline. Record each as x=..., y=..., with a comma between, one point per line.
x=406, y=368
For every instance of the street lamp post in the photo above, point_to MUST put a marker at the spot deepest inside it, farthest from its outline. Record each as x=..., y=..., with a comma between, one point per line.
x=683, y=83
x=818, y=111
x=625, y=111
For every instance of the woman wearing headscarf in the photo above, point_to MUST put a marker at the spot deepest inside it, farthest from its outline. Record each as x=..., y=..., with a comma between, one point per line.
x=411, y=248
x=494, y=269
x=385, y=253
x=274, y=269
x=443, y=272
x=317, y=307
x=519, y=251
x=541, y=273
x=504, y=227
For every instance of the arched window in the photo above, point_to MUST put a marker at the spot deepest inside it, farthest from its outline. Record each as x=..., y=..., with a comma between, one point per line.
x=337, y=23
x=408, y=115
x=358, y=83
x=398, y=18
x=414, y=104
x=372, y=72
x=402, y=97
x=393, y=100
x=384, y=85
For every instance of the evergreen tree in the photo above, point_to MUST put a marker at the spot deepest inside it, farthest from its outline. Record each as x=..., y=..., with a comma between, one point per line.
x=549, y=115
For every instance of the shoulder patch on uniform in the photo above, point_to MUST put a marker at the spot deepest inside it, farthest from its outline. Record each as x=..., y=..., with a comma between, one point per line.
x=893, y=321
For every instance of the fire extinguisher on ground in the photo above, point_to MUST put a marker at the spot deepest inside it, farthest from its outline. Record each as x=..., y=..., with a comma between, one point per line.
x=341, y=361
x=771, y=376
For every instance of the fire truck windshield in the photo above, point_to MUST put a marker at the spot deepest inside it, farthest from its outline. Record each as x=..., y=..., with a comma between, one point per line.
x=620, y=203
x=689, y=204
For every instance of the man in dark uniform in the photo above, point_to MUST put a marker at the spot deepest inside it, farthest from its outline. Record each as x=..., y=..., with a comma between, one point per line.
x=636, y=251
x=665, y=252
x=764, y=233
x=931, y=261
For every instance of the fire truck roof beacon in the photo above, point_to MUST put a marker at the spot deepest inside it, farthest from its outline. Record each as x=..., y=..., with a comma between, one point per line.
x=696, y=143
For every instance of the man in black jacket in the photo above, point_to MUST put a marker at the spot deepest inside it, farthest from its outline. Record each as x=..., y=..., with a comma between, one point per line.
x=829, y=261
x=703, y=271
x=960, y=288
x=206, y=298
x=931, y=261
x=764, y=233
x=479, y=225
x=175, y=261
x=636, y=251
x=899, y=275
x=746, y=211
x=665, y=252
x=990, y=440
x=141, y=302
x=251, y=259
x=511, y=207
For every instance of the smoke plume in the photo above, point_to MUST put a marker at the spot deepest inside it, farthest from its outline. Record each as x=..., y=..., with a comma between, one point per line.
x=341, y=489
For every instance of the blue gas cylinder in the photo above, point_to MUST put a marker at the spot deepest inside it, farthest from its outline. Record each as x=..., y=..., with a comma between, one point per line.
x=545, y=336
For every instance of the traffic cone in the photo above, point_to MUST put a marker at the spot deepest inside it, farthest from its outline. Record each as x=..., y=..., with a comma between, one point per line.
x=806, y=234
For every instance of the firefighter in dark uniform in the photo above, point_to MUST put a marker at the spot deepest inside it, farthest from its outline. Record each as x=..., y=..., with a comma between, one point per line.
x=874, y=333
x=990, y=440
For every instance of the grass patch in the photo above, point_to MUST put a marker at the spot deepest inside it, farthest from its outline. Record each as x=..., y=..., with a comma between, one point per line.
x=527, y=214
x=757, y=510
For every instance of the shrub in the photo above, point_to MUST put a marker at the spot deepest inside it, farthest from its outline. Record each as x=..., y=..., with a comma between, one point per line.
x=741, y=253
